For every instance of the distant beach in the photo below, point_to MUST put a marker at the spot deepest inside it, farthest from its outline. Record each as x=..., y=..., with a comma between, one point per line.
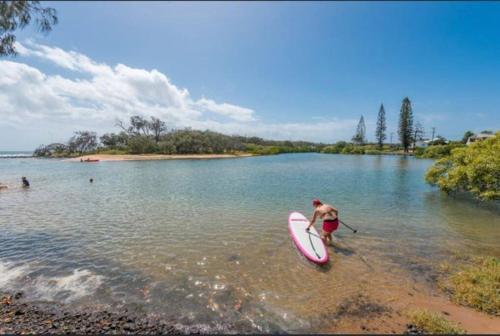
x=145, y=157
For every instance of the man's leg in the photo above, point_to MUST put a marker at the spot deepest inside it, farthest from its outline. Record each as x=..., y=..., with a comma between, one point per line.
x=323, y=237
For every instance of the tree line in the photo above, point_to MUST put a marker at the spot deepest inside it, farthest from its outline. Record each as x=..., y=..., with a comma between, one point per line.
x=148, y=136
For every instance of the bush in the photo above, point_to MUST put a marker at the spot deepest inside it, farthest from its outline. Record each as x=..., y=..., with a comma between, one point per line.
x=476, y=285
x=141, y=145
x=475, y=168
x=373, y=152
x=419, y=151
x=167, y=147
x=437, y=151
x=433, y=323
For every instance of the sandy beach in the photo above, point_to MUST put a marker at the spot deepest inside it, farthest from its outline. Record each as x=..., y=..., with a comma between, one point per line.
x=145, y=157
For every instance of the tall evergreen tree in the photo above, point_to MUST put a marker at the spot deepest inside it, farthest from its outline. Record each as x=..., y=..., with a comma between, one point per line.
x=381, y=127
x=360, y=136
x=406, y=124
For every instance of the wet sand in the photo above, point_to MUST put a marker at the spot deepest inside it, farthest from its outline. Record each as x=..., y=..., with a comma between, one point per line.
x=146, y=157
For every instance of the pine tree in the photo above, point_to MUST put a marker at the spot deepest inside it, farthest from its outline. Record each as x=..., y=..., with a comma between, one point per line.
x=381, y=127
x=406, y=124
x=360, y=136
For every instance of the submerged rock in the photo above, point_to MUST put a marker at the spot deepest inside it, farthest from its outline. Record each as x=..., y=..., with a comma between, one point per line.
x=31, y=317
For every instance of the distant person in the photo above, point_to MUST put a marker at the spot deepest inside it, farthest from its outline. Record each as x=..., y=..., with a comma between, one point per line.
x=91, y=180
x=26, y=183
x=329, y=215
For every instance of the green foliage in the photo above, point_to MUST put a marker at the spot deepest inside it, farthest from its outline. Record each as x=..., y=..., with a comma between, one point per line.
x=476, y=285
x=466, y=136
x=373, y=152
x=360, y=136
x=437, y=151
x=475, y=168
x=433, y=323
x=82, y=142
x=381, y=127
x=405, y=130
x=17, y=15
x=141, y=145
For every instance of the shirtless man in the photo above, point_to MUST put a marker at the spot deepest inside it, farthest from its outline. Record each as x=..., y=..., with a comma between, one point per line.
x=329, y=215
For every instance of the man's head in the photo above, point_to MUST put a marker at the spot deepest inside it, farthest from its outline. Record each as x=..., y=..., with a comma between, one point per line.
x=316, y=202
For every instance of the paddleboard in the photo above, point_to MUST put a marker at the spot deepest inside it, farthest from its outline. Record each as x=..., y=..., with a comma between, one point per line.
x=309, y=242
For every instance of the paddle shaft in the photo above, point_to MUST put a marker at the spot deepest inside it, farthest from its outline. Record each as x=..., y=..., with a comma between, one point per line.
x=353, y=230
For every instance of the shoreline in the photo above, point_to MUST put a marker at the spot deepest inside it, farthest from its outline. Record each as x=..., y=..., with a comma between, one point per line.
x=153, y=157
x=18, y=316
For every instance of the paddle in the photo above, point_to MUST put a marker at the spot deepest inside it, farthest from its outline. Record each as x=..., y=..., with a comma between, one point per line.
x=353, y=230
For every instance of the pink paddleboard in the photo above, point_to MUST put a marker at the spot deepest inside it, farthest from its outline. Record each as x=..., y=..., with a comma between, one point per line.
x=308, y=243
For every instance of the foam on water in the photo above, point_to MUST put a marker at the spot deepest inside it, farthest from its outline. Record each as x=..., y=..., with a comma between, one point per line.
x=67, y=288
x=10, y=273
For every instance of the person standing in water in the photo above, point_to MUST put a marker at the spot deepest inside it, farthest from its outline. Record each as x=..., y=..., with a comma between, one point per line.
x=329, y=215
x=26, y=183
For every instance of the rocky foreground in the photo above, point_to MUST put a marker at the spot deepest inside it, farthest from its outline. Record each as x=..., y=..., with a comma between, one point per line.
x=18, y=317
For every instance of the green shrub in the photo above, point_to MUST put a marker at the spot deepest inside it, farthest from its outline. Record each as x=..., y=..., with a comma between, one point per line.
x=141, y=145
x=475, y=168
x=433, y=323
x=476, y=285
x=333, y=149
x=373, y=152
x=437, y=151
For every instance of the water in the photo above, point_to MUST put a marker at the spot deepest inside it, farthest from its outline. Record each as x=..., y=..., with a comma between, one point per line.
x=15, y=154
x=207, y=240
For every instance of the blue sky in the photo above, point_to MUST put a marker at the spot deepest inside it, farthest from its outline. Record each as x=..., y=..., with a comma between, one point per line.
x=278, y=70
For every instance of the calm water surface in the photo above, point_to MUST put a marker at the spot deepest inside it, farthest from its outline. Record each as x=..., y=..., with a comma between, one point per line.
x=207, y=240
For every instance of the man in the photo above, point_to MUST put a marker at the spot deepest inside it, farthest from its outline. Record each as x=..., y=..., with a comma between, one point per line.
x=26, y=183
x=330, y=219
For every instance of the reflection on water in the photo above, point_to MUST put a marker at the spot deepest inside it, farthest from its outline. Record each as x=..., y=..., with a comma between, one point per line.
x=207, y=240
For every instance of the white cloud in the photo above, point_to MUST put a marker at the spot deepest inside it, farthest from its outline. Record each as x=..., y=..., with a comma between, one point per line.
x=97, y=94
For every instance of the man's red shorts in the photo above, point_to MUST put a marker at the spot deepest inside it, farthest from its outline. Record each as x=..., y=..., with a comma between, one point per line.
x=330, y=225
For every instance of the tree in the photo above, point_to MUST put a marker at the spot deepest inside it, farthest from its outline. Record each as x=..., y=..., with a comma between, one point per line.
x=438, y=140
x=17, y=15
x=112, y=140
x=157, y=127
x=466, y=136
x=474, y=168
x=51, y=150
x=82, y=141
x=360, y=136
x=418, y=134
x=487, y=132
x=381, y=127
x=406, y=124
x=139, y=125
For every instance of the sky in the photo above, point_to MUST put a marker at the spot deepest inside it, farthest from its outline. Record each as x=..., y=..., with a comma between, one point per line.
x=298, y=70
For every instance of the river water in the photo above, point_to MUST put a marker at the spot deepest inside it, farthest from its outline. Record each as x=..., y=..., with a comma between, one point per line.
x=207, y=240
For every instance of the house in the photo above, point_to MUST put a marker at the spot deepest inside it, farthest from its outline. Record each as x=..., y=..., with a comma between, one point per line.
x=424, y=142
x=479, y=137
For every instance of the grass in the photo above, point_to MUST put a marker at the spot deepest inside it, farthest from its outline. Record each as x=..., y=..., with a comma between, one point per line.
x=476, y=285
x=433, y=323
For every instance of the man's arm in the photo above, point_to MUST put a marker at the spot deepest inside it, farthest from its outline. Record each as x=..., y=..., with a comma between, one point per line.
x=312, y=220
x=335, y=210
